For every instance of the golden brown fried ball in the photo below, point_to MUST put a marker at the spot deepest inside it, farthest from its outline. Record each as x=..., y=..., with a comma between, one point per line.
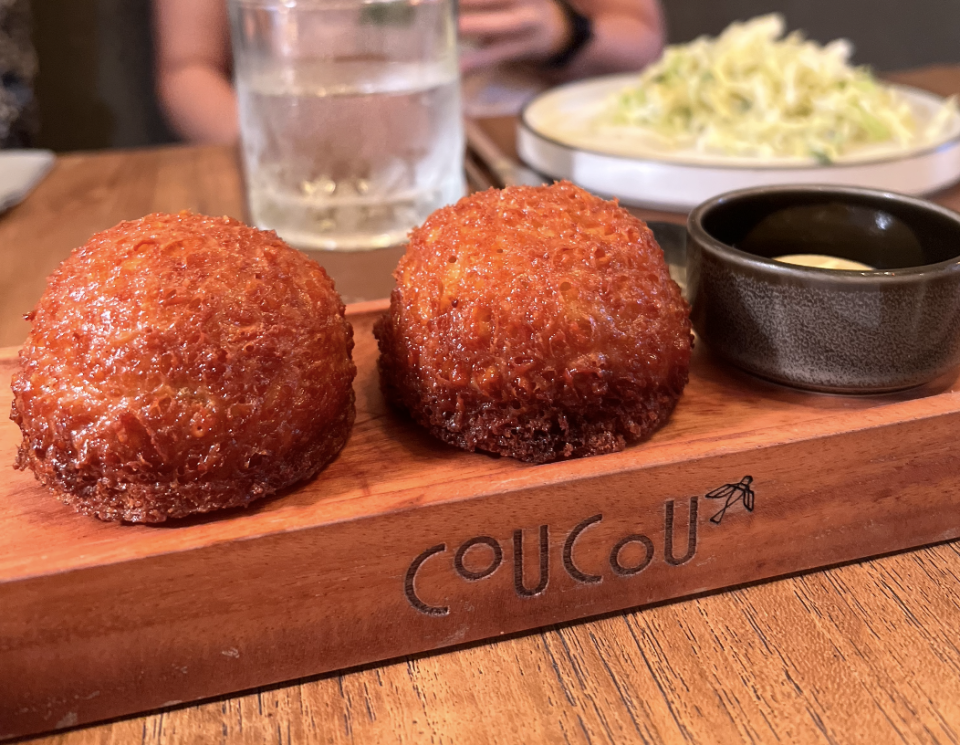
x=535, y=322
x=180, y=364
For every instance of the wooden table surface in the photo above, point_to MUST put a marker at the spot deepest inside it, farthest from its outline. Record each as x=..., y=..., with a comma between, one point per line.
x=868, y=652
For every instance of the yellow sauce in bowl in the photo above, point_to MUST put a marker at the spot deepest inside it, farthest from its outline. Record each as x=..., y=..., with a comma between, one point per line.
x=820, y=261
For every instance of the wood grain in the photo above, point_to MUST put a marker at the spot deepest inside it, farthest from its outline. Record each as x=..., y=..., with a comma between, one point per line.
x=860, y=653
x=863, y=653
x=86, y=193
x=403, y=544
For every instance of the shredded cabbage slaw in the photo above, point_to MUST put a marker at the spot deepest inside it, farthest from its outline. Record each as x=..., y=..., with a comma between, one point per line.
x=749, y=92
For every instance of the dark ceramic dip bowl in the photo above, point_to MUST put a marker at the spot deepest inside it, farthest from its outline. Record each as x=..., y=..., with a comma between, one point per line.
x=837, y=331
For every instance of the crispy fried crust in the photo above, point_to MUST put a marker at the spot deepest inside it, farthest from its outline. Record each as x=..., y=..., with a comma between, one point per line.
x=179, y=364
x=538, y=323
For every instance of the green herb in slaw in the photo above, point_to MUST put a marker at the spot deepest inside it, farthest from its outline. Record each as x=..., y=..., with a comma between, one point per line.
x=750, y=92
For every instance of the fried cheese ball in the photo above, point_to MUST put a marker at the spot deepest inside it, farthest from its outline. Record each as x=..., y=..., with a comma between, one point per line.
x=535, y=322
x=179, y=364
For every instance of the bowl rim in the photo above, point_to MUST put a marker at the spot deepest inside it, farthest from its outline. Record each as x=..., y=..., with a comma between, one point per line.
x=524, y=122
x=697, y=232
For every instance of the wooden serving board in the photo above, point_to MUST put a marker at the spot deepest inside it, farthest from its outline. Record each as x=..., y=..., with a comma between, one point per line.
x=403, y=544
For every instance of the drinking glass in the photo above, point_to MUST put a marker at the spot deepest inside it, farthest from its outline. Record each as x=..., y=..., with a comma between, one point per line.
x=349, y=116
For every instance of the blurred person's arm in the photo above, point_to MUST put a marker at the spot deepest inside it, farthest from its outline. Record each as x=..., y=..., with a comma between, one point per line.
x=626, y=34
x=193, y=69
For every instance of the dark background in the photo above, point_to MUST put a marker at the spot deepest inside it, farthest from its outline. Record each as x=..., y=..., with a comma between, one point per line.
x=886, y=34
x=95, y=80
x=95, y=85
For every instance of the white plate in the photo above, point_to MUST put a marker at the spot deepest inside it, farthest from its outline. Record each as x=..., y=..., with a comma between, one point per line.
x=557, y=138
x=20, y=171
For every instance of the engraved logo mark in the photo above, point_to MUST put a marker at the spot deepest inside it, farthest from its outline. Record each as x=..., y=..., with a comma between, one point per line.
x=733, y=493
x=410, y=591
x=522, y=585
x=568, y=564
x=531, y=578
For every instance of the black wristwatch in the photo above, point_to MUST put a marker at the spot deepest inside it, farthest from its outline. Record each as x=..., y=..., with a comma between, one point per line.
x=581, y=31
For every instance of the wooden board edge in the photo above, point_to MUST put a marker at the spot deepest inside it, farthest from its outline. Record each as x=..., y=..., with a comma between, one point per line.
x=369, y=306
x=262, y=611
